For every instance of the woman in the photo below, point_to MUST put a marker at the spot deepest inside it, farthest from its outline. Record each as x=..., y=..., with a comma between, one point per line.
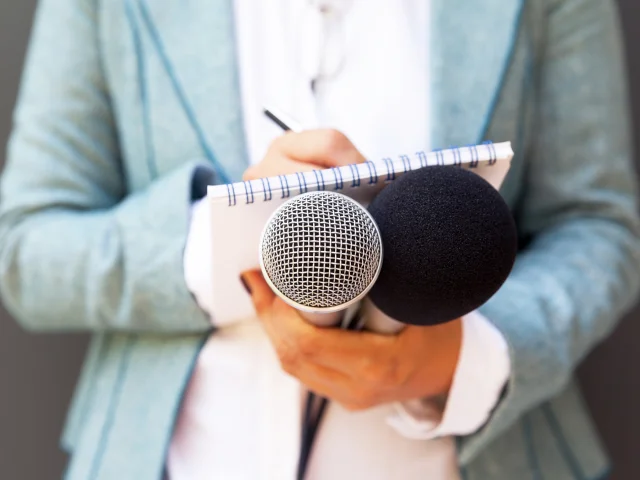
x=129, y=109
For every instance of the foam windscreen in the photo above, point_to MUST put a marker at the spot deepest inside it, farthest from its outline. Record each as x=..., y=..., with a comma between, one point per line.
x=449, y=243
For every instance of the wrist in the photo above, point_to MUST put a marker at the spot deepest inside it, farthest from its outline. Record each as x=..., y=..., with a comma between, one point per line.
x=445, y=345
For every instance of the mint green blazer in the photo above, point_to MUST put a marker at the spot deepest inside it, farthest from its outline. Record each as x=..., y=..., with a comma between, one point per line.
x=128, y=108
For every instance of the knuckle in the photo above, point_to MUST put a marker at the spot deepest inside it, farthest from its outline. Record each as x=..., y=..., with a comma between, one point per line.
x=351, y=407
x=391, y=376
x=274, y=146
x=386, y=374
x=307, y=345
x=358, y=405
x=277, y=145
x=261, y=306
x=335, y=141
x=369, y=398
x=371, y=373
x=250, y=174
x=288, y=355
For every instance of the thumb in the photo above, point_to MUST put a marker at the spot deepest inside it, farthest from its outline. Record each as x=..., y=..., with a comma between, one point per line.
x=261, y=294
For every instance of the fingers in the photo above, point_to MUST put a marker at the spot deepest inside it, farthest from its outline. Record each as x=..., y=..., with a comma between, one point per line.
x=356, y=369
x=289, y=333
x=322, y=381
x=353, y=394
x=294, y=340
x=261, y=294
x=305, y=151
x=347, y=351
x=276, y=164
x=362, y=355
x=324, y=147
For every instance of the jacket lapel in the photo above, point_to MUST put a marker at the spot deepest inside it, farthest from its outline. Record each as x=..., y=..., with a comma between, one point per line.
x=471, y=48
x=196, y=46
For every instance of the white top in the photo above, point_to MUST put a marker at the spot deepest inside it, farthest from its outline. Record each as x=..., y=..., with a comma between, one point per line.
x=241, y=414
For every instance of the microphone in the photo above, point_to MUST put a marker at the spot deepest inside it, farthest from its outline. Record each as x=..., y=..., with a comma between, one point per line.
x=321, y=252
x=450, y=243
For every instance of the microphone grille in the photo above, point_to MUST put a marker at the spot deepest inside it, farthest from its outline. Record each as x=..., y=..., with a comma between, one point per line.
x=321, y=250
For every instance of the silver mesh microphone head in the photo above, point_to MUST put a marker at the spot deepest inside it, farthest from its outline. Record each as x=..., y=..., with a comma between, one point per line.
x=321, y=251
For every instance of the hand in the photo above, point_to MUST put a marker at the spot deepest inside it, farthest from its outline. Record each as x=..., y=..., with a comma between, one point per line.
x=305, y=151
x=359, y=370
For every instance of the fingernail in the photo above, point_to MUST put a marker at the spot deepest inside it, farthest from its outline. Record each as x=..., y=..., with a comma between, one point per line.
x=245, y=284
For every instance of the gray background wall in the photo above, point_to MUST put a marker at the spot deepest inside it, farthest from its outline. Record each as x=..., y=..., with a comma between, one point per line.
x=37, y=372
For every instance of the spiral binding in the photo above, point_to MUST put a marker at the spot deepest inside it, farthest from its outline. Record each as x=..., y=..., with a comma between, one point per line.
x=302, y=182
x=423, y=158
x=457, y=157
x=356, y=176
x=475, y=156
x=266, y=188
x=406, y=163
x=373, y=174
x=248, y=192
x=231, y=192
x=391, y=171
x=360, y=175
x=339, y=183
x=283, y=183
x=319, y=179
x=494, y=155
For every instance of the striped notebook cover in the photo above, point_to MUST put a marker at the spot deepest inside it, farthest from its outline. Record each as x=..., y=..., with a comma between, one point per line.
x=240, y=210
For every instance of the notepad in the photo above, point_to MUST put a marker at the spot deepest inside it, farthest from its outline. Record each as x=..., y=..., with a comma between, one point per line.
x=240, y=210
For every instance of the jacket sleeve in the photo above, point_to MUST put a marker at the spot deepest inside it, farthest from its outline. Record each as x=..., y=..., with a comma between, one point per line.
x=77, y=253
x=581, y=270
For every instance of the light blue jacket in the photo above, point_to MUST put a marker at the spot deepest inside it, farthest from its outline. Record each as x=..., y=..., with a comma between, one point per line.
x=129, y=107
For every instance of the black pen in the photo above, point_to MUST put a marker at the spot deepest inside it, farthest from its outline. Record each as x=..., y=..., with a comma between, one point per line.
x=284, y=121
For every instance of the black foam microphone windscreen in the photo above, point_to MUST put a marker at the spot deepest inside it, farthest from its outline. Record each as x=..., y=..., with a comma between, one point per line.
x=449, y=243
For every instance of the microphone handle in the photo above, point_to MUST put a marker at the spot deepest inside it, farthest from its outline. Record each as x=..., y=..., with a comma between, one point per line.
x=376, y=321
x=371, y=317
x=363, y=314
x=320, y=319
x=341, y=318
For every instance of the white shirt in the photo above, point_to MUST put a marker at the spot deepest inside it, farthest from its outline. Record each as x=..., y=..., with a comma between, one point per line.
x=240, y=418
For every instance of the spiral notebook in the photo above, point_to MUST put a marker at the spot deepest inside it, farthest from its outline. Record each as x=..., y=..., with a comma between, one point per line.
x=240, y=210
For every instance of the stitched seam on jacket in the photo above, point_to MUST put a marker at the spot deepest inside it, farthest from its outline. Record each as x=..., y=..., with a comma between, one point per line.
x=111, y=409
x=464, y=473
x=102, y=348
x=604, y=475
x=531, y=451
x=503, y=75
x=187, y=379
x=565, y=450
x=142, y=91
x=180, y=93
x=527, y=84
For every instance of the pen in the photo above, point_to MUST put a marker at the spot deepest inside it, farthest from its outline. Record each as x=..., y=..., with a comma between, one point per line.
x=284, y=121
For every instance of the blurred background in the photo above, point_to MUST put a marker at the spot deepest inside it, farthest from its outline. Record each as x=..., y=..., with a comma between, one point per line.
x=38, y=372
